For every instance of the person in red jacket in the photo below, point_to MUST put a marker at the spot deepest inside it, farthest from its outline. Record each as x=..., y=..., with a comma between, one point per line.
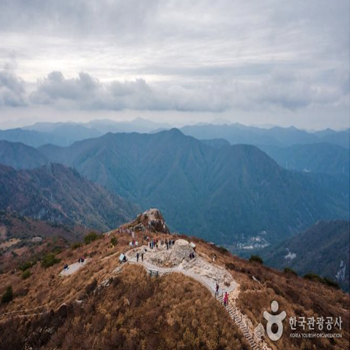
x=226, y=299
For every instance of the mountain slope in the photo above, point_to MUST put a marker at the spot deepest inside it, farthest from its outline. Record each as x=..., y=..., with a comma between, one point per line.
x=322, y=249
x=13, y=225
x=220, y=194
x=317, y=158
x=108, y=305
x=59, y=194
x=20, y=156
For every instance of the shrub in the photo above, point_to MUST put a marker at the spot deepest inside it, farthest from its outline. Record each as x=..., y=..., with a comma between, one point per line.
x=75, y=245
x=327, y=281
x=90, y=237
x=256, y=259
x=114, y=241
x=230, y=266
x=27, y=265
x=91, y=287
x=324, y=280
x=290, y=271
x=313, y=277
x=7, y=296
x=49, y=260
x=26, y=274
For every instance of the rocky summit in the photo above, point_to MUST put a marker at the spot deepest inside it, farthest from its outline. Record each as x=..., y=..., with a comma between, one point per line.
x=151, y=219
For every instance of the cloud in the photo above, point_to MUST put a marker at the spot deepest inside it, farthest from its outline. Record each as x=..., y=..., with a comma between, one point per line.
x=76, y=17
x=55, y=88
x=12, y=90
x=204, y=56
x=281, y=89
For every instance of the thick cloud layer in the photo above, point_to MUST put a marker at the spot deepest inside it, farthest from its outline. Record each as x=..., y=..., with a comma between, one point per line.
x=87, y=92
x=175, y=55
x=11, y=90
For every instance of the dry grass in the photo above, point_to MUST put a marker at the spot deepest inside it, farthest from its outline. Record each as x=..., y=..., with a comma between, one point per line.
x=172, y=312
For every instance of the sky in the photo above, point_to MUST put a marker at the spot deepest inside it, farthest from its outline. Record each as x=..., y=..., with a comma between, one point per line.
x=271, y=62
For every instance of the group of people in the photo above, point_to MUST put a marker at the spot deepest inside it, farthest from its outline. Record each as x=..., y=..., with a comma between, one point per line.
x=138, y=256
x=81, y=260
x=169, y=243
x=155, y=243
x=192, y=255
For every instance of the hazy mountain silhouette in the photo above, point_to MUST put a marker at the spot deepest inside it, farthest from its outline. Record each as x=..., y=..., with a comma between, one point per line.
x=275, y=136
x=218, y=194
x=317, y=158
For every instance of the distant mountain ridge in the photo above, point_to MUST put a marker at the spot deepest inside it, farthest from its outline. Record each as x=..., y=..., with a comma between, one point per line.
x=276, y=136
x=59, y=194
x=220, y=194
x=65, y=134
x=317, y=158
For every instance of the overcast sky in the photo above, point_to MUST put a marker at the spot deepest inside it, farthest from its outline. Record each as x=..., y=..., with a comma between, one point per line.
x=253, y=62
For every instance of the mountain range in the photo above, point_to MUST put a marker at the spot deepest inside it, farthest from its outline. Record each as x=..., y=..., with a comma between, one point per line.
x=65, y=134
x=316, y=158
x=59, y=194
x=275, y=136
x=221, y=194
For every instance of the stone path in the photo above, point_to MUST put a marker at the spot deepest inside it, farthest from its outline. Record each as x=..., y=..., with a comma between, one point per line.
x=242, y=321
x=208, y=283
x=73, y=268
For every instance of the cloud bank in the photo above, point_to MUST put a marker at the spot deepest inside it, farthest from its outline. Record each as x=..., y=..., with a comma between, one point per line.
x=152, y=55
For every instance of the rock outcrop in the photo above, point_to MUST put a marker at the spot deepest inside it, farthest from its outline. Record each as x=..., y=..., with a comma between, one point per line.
x=151, y=220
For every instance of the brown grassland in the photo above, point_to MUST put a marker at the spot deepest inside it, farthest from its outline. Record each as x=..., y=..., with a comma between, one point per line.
x=139, y=312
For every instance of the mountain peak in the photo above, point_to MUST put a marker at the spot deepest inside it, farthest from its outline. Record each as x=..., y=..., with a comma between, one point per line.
x=151, y=219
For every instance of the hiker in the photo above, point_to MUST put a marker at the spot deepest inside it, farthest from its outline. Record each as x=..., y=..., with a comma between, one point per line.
x=217, y=289
x=142, y=256
x=226, y=299
x=66, y=267
x=82, y=260
x=137, y=257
